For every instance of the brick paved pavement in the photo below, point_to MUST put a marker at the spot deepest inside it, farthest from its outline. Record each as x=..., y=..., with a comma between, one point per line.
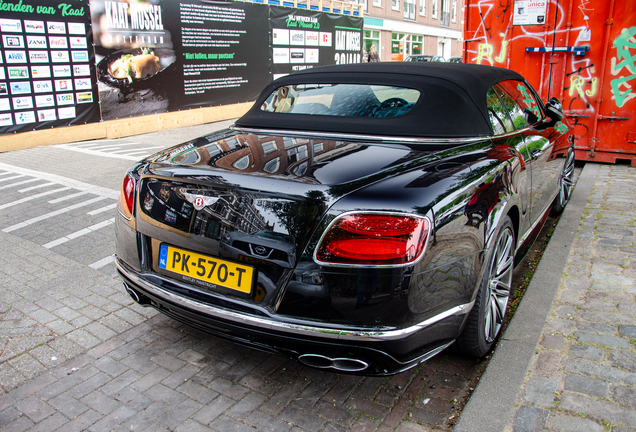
x=583, y=374
x=577, y=372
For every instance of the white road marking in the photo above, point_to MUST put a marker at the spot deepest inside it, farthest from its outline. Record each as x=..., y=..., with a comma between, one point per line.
x=139, y=150
x=96, y=152
x=19, y=183
x=34, y=197
x=102, y=262
x=64, y=181
x=51, y=214
x=79, y=233
x=102, y=210
x=67, y=197
x=40, y=186
x=11, y=178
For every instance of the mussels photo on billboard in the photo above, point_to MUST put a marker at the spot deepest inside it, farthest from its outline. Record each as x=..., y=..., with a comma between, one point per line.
x=155, y=56
x=48, y=77
x=134, y=53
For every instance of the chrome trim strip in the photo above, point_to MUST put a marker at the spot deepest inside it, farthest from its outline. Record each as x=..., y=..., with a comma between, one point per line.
x=342, y=333
x=345, y=136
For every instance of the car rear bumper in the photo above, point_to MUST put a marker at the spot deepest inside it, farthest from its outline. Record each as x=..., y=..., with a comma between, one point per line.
x=377, y=351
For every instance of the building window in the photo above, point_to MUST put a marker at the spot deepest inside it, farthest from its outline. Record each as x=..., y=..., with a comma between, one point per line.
x=404, y=45
x=269, y=147
x=371, y=37
x=445, y=21
x=363, y=3
x=409, y=9
x=242, y=163
x=423, y=7
x=417, y=44
x=454, y=12
x=434, y=9
x=377, y=3
x=272, y=166
x=395, y=5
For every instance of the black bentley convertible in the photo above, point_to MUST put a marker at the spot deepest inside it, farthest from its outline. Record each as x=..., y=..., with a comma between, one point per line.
x=358, y=218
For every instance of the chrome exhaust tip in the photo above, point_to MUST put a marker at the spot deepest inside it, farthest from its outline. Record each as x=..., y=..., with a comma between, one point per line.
x=137, y=297
x=341, y=364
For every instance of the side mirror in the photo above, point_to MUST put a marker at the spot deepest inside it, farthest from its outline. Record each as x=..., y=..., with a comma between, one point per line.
x=554, y=109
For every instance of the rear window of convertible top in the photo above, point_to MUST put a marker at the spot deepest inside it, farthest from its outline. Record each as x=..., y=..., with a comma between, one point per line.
x=342, y=100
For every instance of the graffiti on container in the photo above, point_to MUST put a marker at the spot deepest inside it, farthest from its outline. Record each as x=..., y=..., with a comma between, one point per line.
x=624, y=60
x=577, y=83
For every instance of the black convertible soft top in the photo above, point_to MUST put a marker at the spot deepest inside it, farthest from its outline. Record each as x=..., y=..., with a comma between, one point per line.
x=452, y=102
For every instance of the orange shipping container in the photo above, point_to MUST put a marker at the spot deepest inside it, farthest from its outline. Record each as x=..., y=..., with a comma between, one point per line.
x=581, y=51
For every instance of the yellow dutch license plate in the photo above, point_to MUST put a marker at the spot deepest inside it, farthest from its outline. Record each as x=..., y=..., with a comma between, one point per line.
x=207, y=270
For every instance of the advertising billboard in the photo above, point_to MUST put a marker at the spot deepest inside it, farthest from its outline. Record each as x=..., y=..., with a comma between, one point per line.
x=67, y=63
x=47, y=72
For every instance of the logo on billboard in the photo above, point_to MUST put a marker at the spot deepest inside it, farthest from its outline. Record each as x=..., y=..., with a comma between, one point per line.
x=10, y=26
x=44, y=101
x=22, y=102
x=16, y=56
x=62, y=71
x=76, y=28
x=78, y=42
x=280, y=36
x=325, y=39
x=34, y=26
x=64, y=113
x=18, y=72
x=86, y=97
x=2, y=73
x=3, y=89
x=4, y=104
x=281, y=55
x=46, y=115
x=59, y=56
x=296, y=37
x=82, y=84
x=13, y=41
x=58, y=42
x=36, y=42
x=39, y=56
x=79, y=56
x=297, y=55
x=63, y=85
x=25, y=117
x=311, y=38
x=81, y=70
x=42, y=86
x=65, y=99
x=40, y=72
x=6, y=120
x=20, y=87
x=311, y=55
x=56, y=27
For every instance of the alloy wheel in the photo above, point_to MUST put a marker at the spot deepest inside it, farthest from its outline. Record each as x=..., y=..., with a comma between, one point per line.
x=499, y=284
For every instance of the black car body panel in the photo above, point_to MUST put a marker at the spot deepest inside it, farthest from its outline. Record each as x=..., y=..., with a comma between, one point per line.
x=256, y=202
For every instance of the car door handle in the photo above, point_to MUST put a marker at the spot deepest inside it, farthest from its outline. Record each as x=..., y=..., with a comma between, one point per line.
x=536, y=153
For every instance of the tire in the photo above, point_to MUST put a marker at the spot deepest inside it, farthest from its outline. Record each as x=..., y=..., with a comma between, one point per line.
x=486, y=318
x=566, y=183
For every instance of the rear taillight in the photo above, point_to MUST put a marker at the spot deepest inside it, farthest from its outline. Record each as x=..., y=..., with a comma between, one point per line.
x=126, y=196
x=374, y=239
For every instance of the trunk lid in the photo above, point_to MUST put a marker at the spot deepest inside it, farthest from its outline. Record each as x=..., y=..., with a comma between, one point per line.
x=247, y=205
